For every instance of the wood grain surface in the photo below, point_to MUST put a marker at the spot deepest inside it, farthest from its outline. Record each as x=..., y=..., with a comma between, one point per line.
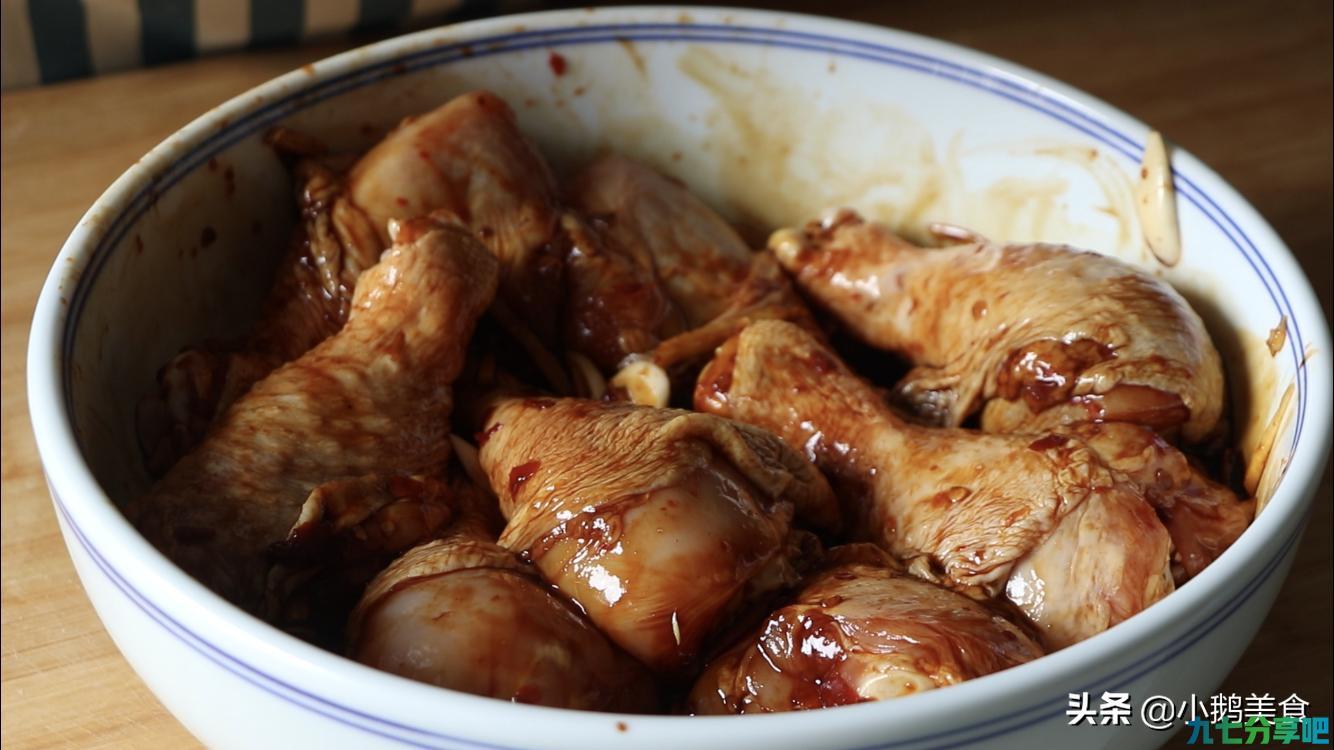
x=1245, y=86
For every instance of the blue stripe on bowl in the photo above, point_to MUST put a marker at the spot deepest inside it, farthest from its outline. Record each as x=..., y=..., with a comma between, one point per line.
x=1015, y=90
x=1028, y=96
x=416, y=737
x=257, y=677
x=1126, y=675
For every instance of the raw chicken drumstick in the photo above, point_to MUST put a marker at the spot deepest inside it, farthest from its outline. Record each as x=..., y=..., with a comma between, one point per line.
x=1035, y=336
x=463, y=613
x=660, y=523
x=465, y=159
x=469, y=160
x=656, y=221
x=859, y=631
x=373, y=398
x=691, y=269
x=1073, y=542
x=307, y=303
x=1203, y=517
x=347, y=531
x=615, y=304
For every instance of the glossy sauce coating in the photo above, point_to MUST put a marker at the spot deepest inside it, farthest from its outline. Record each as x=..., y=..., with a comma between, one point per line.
x=654, y=219
x=1033, y=336
x=960, y=507
x=465, y=614
x=859, y=632
x=468, y=160
x=615, y=303
x=659, y=523
x=373, y=398
x=347, y=531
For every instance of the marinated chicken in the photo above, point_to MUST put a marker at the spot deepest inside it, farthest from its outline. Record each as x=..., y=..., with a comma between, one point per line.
x=859, y=631
x=466, y=160
x=973, y=510
x=463, y=613
x=346, y=532
x=659, y=523
x=594, y=554
x=655, y=220
x=308, y=302
x=1203, y=517
x=469, y=160
x=615, y=305
x=468, y=615
x=1032, y=336
x=373, y=398
x=764, y=294
x=682, y=251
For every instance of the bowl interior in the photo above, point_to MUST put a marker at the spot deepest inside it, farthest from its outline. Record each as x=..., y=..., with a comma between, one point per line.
x=770, y=123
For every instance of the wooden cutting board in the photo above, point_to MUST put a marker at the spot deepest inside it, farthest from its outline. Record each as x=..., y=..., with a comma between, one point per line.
x=1245, y=86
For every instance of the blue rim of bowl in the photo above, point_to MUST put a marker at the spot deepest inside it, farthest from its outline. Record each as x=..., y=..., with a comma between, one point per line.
x=1008, y=86
x=355, y=719
x=1028, y=95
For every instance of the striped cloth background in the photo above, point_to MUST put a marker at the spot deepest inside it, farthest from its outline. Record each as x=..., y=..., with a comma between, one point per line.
x=54, y=40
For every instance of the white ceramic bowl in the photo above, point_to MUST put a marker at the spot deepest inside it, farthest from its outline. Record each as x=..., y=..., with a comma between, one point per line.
x=771, y=117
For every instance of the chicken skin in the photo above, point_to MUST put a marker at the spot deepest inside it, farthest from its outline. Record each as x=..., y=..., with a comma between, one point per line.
x=615, y=305
x=685, y=255
x=764, y=294
x=468, y=615
x=465, y=159
x=374, y=398
x=1203, y=517
x=463, y=613
x=659, y=523
x=801, y=539
x=347, y=531
x=658, y=222
x=1034, y=336
x=981, y=513
x=859, y=631
x=308, y=302
x=650, y=262
x=469, y=160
